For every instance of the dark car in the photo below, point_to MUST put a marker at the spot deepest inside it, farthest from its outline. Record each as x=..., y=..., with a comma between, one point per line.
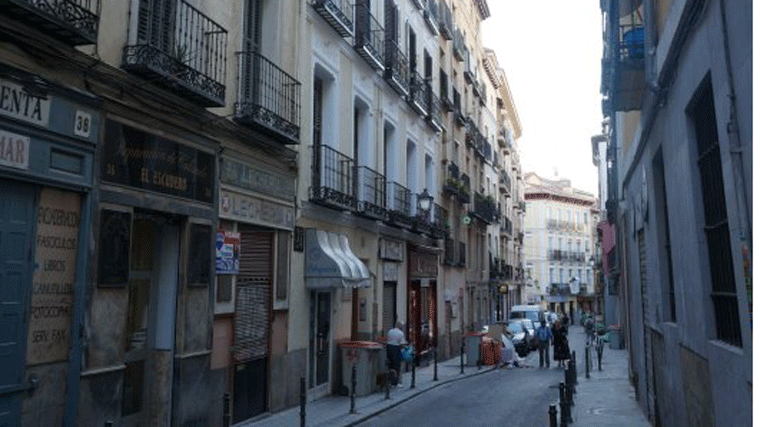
x=520, y=338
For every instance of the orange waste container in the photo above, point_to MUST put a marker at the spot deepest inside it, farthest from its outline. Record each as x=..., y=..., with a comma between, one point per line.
x=490, y=351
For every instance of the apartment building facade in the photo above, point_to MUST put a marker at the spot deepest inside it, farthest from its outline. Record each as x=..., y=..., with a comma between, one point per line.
x=676, y=79
x=560, y=228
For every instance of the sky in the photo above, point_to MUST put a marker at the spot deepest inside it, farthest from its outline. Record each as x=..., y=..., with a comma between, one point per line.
x=551, y=53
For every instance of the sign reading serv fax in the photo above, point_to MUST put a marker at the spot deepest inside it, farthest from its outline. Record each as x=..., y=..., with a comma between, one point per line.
x=14, y=150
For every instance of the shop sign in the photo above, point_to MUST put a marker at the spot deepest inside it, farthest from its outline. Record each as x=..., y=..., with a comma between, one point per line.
x=227, y=252
x=17, y=103
x=257, y=179
x=142, y=160
x=390, y=271
x=423, y=265
x=54, y=276
x=391, y=250
x=14, y=150
x=254, y=210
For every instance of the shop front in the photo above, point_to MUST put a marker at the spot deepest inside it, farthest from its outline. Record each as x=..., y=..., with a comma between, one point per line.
x=252, y=273
x=147, y=339
x=331, y=270
x=48, y=136
x=422, y=310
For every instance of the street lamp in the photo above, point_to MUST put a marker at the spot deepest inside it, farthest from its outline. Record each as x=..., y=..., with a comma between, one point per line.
x=424, y=201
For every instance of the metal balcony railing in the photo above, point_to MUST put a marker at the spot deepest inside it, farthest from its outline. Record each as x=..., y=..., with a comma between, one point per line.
x=501, y=137
x=464, y=193
x=451, y=182
x=399, y=204
x=623, y=79
x=482, y=89
x=505, y=183
x=506, y=227
x=459, y=49
x=369, y=37
x=337, y=13
x=269, y=99
x=484, y=208
x=445, y=21
x=469, y=66
x=181, y=49
x=459, y=116
x=417, y=89
x=370, y=193
x=446, y=104
x=74, y=22
x=434, y=110
x=396, y=68
x=487, y=149
x=430, y=14
x=438, y=221
x=333, y=183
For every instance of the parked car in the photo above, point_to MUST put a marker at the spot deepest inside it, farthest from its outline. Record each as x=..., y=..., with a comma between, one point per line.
x=519, y=336
x=532, y=336
x=532, y=312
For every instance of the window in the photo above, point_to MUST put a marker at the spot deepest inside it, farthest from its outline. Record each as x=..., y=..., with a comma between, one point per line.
x=551, y=275
x=663, y=234
x=588, y=277
x=723, y=285
x=585, y=217
x=561, y=275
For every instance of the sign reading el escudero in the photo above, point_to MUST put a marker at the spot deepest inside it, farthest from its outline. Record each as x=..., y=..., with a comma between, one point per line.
x=139, y=159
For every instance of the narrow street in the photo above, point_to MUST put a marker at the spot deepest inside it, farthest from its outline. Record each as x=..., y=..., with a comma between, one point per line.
x=519, y=396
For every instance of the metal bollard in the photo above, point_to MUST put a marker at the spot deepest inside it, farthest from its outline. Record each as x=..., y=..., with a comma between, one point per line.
x=569, y=387
x=414, y=371
x=575, y=372
x=587, y=363
x=353, y=390
x=435, y=363
x=461, y=358
x=568, y=404
x=303, y=402
x=226, y=410
x=552, y=415
x=562, y=406
x=388, y=382
x=599, y=350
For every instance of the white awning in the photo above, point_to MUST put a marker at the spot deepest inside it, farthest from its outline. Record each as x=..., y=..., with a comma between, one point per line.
x=330, y=263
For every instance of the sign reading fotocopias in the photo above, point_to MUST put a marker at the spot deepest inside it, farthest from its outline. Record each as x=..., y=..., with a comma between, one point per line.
x=139, y=159
x=54, y=276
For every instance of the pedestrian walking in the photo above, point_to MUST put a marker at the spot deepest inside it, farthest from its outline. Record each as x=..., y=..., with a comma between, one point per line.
x=561, y=347
x=588, y=325
x=544, y=340
x=393, y=352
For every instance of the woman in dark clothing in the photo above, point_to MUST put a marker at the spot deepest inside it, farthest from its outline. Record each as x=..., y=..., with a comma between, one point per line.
x=561, y=347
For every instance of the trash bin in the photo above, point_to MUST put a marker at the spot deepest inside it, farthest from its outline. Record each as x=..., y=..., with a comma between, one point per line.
x=472, y=350
x=613, y=334
x=368, y=356
x=490, y=351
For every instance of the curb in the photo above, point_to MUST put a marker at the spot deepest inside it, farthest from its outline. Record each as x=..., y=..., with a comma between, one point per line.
x=409, y=397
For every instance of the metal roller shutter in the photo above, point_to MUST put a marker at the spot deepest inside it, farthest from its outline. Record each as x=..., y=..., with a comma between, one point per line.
x=254, y=294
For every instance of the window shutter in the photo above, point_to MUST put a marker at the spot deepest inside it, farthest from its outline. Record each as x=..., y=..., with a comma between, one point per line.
x=253, y=297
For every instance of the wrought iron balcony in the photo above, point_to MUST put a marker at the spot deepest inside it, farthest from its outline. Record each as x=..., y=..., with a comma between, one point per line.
x=337, y=13
x=434, y=118
x=74, y=22
x=446, y=104
x=445, y=21
x=269, y=99
x=484, y=208
x=399, y=204
x=559, y=289
x=369, y=37
x=438, y=221
x=486, y=149
x=183, y=51
x=421, y=220
x=332, y=178
x=506, y=227
x=459, y=116
x=476, y=89
x=417, y=96
x=430, y=14
x=505, y=183
x=501, y=137
x=464, y=191
x=459, y=49
x=451, y=183
x=462, y=255
x=396, y=68
x=469, y=67
x=623, y=79
x=482, y=89
x=370, y=193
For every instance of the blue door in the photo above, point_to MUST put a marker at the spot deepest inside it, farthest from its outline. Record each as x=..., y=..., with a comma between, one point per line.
x=17, y=215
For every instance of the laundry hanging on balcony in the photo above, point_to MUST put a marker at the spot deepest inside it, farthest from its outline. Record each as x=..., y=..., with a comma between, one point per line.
x=330, y=263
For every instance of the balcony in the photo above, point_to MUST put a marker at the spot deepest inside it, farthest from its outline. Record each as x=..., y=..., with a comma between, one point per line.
x=434, y=118
x=485, y=208
x=369, y=37
x=451, y=182
x=459, y=116
x=505, y=183
x=270, y=99
x=332, y=178
x=396, y=68
x=446, y=104
x=476, y=88
x=559, y=289
x=623, y=79
x=486, y=149
x=462, y=255
x=417, y=96
x=482, y=89
x=430, y=15
x=182, y=51
x=399, y=205
x=74, y=22
x=445, y=21
x=439, y=228
x=419, y=4
x=469, y=69
x=506, y=227
x=464, y=189
x=337, y=13
x=501, y=137
x=370, y=193
x=459, y=49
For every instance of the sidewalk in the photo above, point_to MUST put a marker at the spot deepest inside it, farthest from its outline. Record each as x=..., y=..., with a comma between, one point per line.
x=333, y=411
x=606, y=398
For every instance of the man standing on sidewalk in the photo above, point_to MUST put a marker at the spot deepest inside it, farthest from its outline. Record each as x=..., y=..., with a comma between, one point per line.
x=393, y=349
x=544, y=338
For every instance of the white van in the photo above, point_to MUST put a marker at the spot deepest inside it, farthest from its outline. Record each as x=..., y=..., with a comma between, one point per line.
x=532, y=312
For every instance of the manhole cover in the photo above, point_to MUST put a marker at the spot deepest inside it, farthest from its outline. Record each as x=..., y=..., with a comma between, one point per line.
x=607, y=411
